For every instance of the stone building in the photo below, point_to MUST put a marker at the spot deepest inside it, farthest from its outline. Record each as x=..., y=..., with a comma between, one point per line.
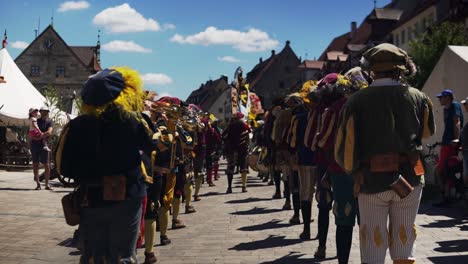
x=207, y=96
x=276, y=76
x=50, y=61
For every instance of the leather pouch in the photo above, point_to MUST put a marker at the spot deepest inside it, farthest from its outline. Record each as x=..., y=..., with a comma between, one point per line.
x=402, y=187
x=114, y=187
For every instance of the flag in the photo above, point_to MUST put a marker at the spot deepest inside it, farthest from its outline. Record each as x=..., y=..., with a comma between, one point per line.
x=4, y=42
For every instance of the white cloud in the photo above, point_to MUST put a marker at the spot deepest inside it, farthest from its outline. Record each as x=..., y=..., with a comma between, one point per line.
x=124, y=46
x=252, y=40
x=19, y=44
x=228, y=59
x=156, y=79
x=168, y=26
x=124, y=18
x=73, y=5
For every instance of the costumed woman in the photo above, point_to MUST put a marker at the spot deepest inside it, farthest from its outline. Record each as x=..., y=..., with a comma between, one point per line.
x=100, y=149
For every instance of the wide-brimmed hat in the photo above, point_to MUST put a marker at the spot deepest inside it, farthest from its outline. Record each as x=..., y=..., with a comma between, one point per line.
x=102, y=87
x=32, y=109
x=465, y=101
x=44, y=108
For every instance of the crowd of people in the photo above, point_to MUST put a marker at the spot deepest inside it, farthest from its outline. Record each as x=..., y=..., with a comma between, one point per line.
x=352, y=141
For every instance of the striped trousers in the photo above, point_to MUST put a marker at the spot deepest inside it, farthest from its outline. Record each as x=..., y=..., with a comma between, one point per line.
x=387, y=221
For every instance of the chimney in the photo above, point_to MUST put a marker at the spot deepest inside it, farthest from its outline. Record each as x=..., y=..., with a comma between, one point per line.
x=288, y=42
x=225, y=78
x=273, y=53
x=353, y=29
x=260, y=60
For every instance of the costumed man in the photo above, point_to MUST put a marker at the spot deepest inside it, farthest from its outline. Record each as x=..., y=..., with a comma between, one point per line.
x=218, y=149
x=305, y=160
x=236, y=144
x=344, y=206
x=281, y=126
x=166, y=161
x=295, y=104
x=379, y=143
x=198, y=162
x=324, y=194
x=187, y=147
x=100, y=150
x=212, y=141
x=271, y=119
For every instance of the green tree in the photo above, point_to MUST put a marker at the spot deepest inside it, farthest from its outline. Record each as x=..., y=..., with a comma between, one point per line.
x=427, y=49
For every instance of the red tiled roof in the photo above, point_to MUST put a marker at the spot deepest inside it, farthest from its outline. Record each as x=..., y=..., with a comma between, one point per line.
x=312, y=64
x=339, y=43
x=87, y=56
x=362, y=34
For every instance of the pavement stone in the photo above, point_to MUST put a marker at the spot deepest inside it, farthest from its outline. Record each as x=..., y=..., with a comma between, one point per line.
x=226, y=229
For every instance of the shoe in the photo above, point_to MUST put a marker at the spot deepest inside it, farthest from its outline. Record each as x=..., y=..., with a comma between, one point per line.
x=49, y=188
x=196, y=198
x=229, y=190
x=150, y=258
x=287, y=205
x=177, y=224
x=304, y=236
x=165, y=240
x=271, y=183
x=294, y=220
x=189, y=209
x=265, y=180
x=244, y=189
x=37, y=187
x=211, y=184
x=320, y=253
x=46, y=148
x=276, y=196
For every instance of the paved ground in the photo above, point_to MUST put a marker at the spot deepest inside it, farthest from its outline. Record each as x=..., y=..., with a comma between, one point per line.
x=236, y=228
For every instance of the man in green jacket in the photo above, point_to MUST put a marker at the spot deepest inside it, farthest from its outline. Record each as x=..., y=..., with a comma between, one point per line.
x=379, y=142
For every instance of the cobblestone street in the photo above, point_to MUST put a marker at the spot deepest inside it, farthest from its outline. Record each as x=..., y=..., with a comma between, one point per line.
x=237, y=228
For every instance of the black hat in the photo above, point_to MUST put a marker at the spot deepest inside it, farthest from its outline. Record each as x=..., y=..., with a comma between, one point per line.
x=102, y=87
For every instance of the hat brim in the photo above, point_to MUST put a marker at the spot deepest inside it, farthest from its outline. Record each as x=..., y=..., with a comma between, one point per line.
x=464, y=101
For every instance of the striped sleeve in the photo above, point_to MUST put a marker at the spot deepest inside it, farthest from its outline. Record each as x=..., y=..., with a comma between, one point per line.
x=345, y=144
x=319, y=130
x=326, y=135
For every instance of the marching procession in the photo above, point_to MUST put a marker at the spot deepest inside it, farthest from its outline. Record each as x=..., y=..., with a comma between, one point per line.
x=350, y=142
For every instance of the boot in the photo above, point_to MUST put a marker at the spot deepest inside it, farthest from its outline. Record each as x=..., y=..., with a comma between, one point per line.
x=296, y=203
x=177, y=224
x=277, y=195
x=150, y=258
x=164, y=240
x=287, y=204
x=230, y=177
x=216, y=170
x=189, y=209
x=294, y=220
x=344, y=238
x=323, y=222
x=321, y=252
x=209, y=177
x=244, y=181
x=306, y=207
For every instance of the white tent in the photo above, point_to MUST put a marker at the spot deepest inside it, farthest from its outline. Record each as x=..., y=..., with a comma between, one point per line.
x=450, y=72
x=17, y=95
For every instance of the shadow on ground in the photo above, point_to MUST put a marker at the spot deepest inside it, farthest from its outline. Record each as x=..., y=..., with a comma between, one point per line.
x=449, y=259
x=211, y=194
x=273, y=224
x=17, y=189
x=295, y=258
x=269, y=242
x=449, y=246
x=257, y=210
x=248, y=200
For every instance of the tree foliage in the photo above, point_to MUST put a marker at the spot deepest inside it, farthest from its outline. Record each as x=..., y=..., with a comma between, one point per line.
x=427, y=49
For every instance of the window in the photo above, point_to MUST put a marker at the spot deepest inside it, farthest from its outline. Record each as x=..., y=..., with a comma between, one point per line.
x=220, y=110
x=424, y=23
x=60, y=71
x=403, y=36
x=416, y=29
x=35, y=70
x=281, y=85
x=410, y=33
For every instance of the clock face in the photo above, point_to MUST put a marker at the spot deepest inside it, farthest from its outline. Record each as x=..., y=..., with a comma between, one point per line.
x=48, y=44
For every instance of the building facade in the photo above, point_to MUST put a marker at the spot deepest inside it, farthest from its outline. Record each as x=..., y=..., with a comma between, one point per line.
x=49, y=62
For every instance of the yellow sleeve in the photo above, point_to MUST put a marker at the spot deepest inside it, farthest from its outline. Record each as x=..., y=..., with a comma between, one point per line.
x=345, y=144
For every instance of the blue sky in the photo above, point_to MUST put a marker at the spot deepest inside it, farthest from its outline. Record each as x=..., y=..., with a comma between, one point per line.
x=177, y=45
